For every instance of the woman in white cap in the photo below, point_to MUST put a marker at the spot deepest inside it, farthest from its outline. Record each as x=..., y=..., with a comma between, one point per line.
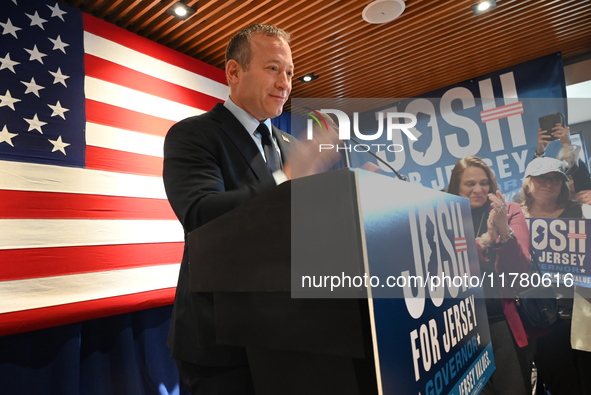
x=563, y=365
x=545, y=192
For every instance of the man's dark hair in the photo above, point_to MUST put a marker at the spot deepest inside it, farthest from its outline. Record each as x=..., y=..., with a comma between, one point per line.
x=238, y=48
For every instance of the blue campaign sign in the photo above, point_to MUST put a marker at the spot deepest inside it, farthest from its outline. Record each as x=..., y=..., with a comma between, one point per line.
x=494, y=116
x=429, y=320
x=561, y=246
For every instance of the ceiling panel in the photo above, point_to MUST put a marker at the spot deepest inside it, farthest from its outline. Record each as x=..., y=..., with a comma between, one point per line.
x=433, y=44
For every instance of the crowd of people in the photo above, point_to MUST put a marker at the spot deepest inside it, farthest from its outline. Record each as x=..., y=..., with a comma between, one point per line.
x=552, y=188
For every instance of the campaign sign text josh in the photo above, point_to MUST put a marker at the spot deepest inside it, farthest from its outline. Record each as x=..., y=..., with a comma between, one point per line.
x=430, y=325
x=561, y=247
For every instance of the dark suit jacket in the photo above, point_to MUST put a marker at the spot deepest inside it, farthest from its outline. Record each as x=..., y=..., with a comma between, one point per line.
x=211, y=165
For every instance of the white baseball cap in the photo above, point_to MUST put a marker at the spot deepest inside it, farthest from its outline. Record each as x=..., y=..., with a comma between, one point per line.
x=541, y=166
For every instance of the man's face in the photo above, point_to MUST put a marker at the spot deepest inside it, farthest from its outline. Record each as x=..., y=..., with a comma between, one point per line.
x=263, y=89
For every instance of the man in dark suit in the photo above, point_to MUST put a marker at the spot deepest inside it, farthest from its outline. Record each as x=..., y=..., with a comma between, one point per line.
x=213, y=163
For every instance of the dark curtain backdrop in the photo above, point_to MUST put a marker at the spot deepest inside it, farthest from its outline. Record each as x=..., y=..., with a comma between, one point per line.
x=292, y=124
x=283, y=122
x=119, y=355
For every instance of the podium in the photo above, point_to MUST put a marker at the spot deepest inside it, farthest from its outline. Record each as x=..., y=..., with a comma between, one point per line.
x=272, y=266
x=300, y=345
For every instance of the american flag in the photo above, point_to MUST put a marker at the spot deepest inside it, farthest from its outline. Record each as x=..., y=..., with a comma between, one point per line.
x=85, y=227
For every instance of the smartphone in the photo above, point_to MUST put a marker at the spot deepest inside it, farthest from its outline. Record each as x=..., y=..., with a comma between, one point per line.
x=547, y=122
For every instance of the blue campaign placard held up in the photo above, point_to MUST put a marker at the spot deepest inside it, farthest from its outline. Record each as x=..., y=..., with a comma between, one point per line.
x=560, y=246
x=429, y=321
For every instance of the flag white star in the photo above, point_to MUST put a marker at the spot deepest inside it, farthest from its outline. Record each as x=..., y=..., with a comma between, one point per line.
x=59, y=145
x=59, y=77
x=36, y=20
x=59, y=44
x=32, y=87
x=9, y=28
x=8, y=100
x=56, y=11
x=7, y=63
x=58, y=110
x=6, y=136
x=35, y=54
x=35, y=124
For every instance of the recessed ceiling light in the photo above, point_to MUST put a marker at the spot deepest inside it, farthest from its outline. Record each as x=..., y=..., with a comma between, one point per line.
x=308, y=77
x=484, y=6
x=181, y=10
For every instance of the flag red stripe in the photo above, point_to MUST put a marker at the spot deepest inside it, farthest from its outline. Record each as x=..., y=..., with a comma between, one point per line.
x=28, y=320
x=99, y=158
x=501, y=112
x=506, y=108
x=53, y=205
x=57, y=261
x=121, y=118
x=108, y=71
x=130, y=40
x=503, y=115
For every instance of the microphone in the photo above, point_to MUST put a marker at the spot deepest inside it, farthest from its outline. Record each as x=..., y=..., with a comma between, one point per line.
x=400, y=176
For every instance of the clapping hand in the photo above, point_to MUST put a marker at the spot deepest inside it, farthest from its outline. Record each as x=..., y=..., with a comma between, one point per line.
x=498, y=215
x=307, y=157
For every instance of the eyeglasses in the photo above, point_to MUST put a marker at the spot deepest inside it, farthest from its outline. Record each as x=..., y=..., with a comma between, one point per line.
x=554, y=180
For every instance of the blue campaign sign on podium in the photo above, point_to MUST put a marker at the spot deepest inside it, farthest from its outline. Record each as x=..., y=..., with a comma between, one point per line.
x=429, y=322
